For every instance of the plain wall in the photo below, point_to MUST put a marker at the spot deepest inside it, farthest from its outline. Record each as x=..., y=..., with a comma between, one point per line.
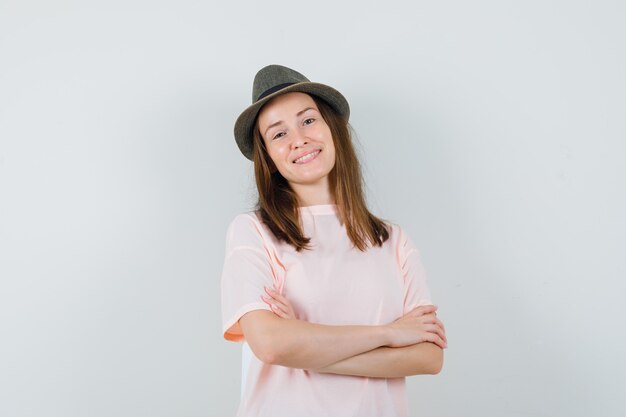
x=493, y=132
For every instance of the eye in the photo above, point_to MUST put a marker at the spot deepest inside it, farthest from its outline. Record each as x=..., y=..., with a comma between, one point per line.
x=278, y=135
x=311, y=119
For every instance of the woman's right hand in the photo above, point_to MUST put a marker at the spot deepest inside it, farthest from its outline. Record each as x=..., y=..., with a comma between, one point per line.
x=418, y=325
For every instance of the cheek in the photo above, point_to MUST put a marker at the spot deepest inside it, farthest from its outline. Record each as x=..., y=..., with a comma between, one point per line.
x=330, y=145
x=278, y=154
x=332, y=158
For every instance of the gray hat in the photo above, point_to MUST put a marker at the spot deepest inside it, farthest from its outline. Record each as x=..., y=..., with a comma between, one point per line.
x=272, y=81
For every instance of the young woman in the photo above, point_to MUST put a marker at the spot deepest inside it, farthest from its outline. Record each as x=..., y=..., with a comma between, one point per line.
x=332, y=300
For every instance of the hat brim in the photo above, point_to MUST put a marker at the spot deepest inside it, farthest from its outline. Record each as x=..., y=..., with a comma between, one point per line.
x=245, y=121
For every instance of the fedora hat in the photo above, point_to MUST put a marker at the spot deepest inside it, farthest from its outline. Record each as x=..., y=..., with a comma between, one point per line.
x=272, y=81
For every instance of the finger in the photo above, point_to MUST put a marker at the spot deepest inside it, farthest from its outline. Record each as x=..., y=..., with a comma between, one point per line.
x=433, y=328
x=269, y=303
x=273, y=303
x=273, y=293
x=426, y=309
x=282, y=298
x=439, y=322
x=443, y=334
x=280, y=305
x=434, y=338
x=428, y=318
x=276, y=295
x=277, y=311
x=268, y=300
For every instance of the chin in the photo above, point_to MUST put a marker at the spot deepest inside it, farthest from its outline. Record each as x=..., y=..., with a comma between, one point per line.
x=301, y=175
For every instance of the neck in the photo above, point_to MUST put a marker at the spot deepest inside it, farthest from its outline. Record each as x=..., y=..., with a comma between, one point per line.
x=313, y=194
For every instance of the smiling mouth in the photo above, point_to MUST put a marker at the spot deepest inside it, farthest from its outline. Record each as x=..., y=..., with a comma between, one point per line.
x=308, y=157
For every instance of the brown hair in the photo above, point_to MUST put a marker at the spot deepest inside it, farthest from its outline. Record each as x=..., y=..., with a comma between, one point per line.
x=278, y=204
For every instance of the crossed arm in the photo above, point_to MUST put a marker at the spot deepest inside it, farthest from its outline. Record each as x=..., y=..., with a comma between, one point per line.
x=278, y=338
x=388, y=362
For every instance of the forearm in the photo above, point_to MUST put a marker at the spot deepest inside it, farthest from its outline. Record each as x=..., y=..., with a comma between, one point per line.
x=304, y=345
x=388, y=362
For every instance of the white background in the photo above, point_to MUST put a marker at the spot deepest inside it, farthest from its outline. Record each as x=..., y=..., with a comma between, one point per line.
x=493, y=131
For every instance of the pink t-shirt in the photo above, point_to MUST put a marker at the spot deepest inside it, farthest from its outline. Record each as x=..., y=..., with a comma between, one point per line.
x=333, y=284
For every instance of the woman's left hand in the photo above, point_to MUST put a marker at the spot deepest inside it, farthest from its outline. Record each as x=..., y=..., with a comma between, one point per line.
x=279, y=304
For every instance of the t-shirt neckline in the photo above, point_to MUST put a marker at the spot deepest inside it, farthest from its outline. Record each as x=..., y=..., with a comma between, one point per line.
x=319, y=209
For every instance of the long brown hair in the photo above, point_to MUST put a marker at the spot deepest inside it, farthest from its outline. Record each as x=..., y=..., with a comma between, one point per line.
x=278, y=203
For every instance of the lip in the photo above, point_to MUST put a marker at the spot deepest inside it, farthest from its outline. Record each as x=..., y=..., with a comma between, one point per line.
x=305, y=154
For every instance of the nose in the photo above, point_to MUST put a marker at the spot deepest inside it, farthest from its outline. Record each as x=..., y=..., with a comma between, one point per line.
x=299, y=139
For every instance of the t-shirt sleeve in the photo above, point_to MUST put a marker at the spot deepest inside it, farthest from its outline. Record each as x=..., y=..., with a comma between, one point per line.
x=416, y=291
x=247, y=269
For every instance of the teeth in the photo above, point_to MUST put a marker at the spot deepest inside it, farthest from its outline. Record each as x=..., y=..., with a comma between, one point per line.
x=307, y=157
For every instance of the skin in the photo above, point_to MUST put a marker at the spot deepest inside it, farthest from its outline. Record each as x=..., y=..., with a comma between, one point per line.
x=399, y=358
x=291, y=126
x=288, y=135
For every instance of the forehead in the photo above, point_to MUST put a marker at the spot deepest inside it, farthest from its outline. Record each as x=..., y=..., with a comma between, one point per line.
x=285, y=105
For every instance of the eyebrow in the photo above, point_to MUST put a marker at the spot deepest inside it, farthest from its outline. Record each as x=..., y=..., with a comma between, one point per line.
x=280, y=121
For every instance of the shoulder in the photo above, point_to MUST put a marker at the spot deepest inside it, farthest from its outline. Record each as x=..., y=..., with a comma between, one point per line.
x=399, y=239
x=395, y=231
x=244, y=222
x=246, y=229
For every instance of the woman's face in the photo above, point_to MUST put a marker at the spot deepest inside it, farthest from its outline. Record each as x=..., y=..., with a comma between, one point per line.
x=297, y=139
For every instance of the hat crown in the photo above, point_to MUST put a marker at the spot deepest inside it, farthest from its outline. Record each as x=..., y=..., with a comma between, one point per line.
x=272, y=81
x=273, y=78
